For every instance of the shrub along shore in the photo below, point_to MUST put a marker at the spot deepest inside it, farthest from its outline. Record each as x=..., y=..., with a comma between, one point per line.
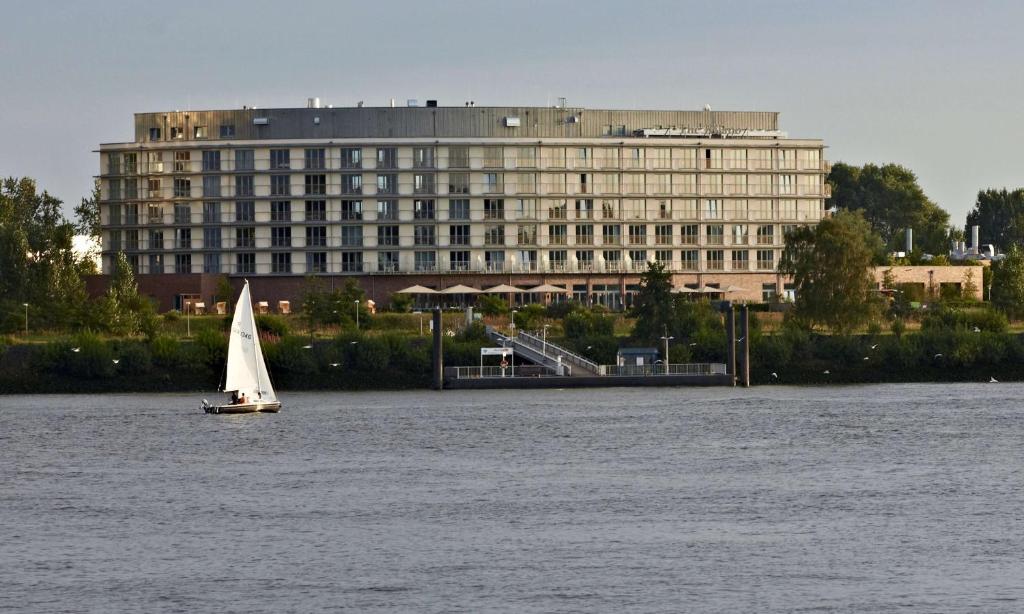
x=87, y=363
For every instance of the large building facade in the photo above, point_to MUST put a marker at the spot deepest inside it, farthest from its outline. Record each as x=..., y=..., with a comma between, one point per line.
x=438, y=196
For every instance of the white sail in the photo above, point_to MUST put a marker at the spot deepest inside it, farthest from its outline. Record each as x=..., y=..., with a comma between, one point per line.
x=247, y=372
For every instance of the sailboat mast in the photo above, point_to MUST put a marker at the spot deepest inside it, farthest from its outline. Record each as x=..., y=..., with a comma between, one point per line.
x=255, y=331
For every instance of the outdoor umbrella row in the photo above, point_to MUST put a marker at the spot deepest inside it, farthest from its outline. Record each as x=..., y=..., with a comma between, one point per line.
x=707, y=290
x=499, y=289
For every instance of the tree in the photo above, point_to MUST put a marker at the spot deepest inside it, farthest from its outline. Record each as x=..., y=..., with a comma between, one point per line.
x=1000, y=214
x=830, y=265
x=37, y=263
x=655, y=304
x=891, y=201
x=125, y=311
x=1008, y=283
x=87, y=213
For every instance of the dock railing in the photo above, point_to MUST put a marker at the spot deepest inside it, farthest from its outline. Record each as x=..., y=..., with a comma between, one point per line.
x=487, y=372
x=691, y=368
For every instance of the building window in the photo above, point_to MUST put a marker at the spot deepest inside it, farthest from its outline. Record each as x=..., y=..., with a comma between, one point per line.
x=199, y=132
x=494, y=156
x=211, y=263
x=526, y=234
x=494, y=260
x=526, y=157
x=423, y=235
x=425, y=261
x=458, y=183
x=280, y=211
x=387, y=210
x=765, y=259
x=316, y=211
x=351, y=209
x=316, y=236
x=585, y=260
x=351, y=262
x=313, y=159
x=154, y=134
x=316, y=185
x=423, y=157
x=558, y=234
x=387, y=262
x=690, y=260
x=494, y=209
x=280, y=159
x=766, y=235
x=156, y=263
x=316, y=262
x=768, y=292
x=584, y=234
x=714, y=234
x=227, y=131
x=740, y=260
x=611, y=234
x=244, y=185
x=458, y=156
x=182, y=188
x=351, y=184
x=494, y=183
x=458, y=234
x=715, y=260
x=153, y=188
x=585, y=209
x=211, y=213
x=387, y=157
x=639, y=258
x=280, y=185
x=244, y=160
x=183, y=263
x=245, y=237
x=211, y=186
x=663, y=234
x=245, y=211
x=584, y=157
x=114, y=189
x=387, y=183
x=281, y=262
x=690, y=234
x=740, y=235
x=156, y=239
x=352, y=236
x=458, y=261
x=387, y=235
x=638, y=234
x=182, y=213
x=182, y=161
x=182, y=238
x=458, y=209
x=211, y=238
x=423, y=183
x=131, y=239
x=115, y=240
x=211, y=160
x=351, y=157
x=494, y=234
x=558, y=259
x=423, y=209
x=557, y=210
x=177, y=133
x=612, y=259
x=280, y=236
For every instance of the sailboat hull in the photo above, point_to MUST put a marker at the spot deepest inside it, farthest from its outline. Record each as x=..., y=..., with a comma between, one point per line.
x=245, y=408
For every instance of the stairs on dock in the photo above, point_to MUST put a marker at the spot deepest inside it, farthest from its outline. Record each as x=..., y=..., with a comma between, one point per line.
x=559, y=360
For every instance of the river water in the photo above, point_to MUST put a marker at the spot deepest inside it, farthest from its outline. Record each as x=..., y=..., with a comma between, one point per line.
x=860, y=498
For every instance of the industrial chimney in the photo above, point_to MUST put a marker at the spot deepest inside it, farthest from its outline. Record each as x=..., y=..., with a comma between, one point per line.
x=910, y=240
x=975, y=239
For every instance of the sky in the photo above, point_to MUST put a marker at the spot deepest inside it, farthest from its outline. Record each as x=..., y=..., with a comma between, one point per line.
x=933, y=85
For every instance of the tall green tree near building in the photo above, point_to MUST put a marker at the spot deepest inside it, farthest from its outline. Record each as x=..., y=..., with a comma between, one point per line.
x=1008, y=283
x=37, y=263
x=124, y=310
x=831, y=269
x=654, y=306
x=891, y=201
x=1000, y=214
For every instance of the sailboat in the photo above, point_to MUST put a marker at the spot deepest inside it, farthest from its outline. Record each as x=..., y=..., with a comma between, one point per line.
x=246, y=375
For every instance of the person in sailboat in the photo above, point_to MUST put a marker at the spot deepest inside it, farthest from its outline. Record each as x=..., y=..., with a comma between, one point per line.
x=243, y=400
x=234, y=397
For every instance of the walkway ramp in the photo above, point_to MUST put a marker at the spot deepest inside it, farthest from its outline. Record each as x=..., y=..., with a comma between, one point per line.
x=542, y=352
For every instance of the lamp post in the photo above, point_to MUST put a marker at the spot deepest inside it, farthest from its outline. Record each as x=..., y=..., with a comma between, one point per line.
x=25, y=305
x=357, y=313
x=188, y=319
x=512, y=325
x=666, y=339
x=545, y=337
